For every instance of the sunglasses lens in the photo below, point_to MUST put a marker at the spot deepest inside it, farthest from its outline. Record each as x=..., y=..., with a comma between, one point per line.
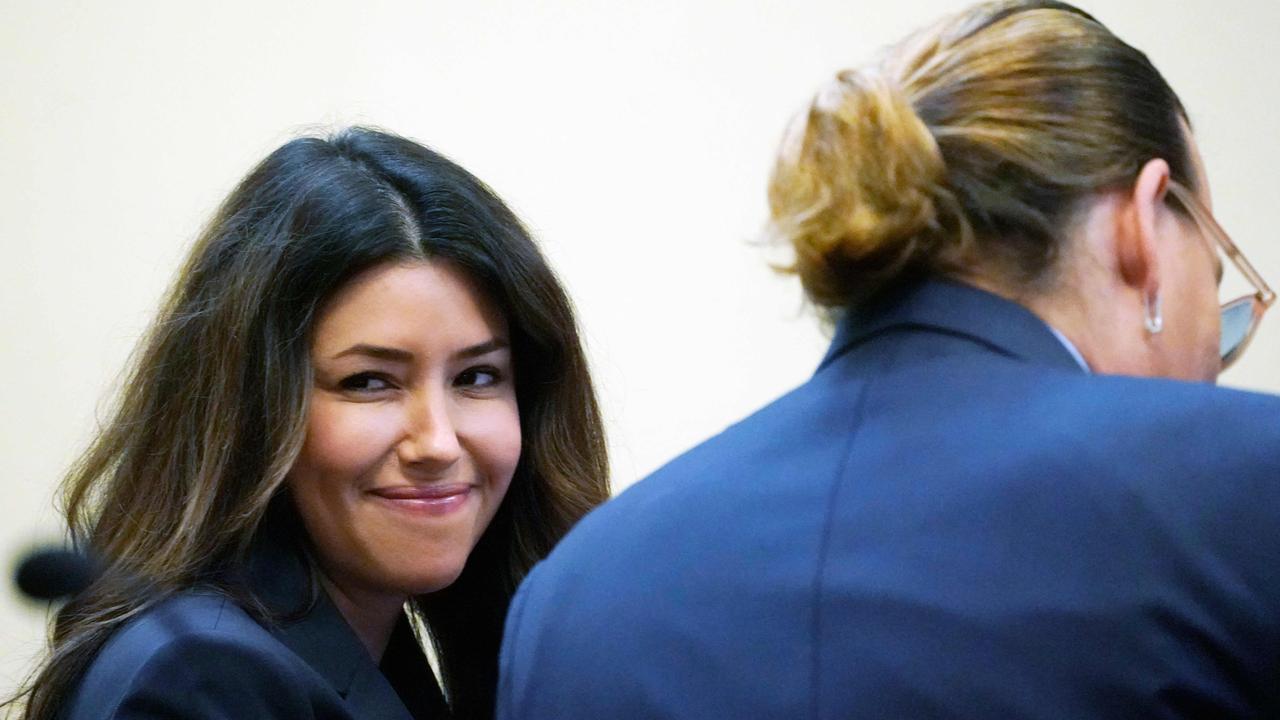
x=1237, y=321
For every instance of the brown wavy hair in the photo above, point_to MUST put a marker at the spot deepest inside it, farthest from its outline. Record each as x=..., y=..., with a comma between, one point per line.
x=965, y=149
x=213, y=411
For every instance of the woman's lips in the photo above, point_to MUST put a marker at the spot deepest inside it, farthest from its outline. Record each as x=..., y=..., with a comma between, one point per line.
x=439, y=499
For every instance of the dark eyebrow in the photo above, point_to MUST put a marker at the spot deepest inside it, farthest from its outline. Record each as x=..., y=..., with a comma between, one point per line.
x=391, y=354
x=377, y=351
x=483, y=348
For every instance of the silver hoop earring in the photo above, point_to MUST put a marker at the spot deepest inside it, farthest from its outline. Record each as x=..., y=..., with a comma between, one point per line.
x=1154, y=321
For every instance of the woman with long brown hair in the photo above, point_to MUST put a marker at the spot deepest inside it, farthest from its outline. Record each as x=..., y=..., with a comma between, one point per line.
x=361, y=416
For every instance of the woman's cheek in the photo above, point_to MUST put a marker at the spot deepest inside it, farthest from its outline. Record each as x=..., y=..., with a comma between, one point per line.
x=348, y=436
x=495, y=431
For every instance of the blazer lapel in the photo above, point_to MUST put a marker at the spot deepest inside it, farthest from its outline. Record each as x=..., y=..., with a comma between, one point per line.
x=324, y=640
x=312, y=627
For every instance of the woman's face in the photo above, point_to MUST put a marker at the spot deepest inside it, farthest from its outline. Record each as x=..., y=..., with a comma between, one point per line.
x=412, y=434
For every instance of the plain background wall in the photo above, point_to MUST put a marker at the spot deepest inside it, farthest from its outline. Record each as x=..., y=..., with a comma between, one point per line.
x=634, y=138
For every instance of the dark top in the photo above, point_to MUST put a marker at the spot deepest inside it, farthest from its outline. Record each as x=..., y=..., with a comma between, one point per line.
x=951, y=519
x=201, y=655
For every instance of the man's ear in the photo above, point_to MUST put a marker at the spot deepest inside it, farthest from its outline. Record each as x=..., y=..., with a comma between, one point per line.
x=1136, y=232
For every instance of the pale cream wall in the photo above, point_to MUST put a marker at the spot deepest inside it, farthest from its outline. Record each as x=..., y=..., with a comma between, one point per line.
x=634, y=138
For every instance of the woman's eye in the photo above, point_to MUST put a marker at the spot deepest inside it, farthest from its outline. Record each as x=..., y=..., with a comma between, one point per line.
x=478, y=377
x=365, y=382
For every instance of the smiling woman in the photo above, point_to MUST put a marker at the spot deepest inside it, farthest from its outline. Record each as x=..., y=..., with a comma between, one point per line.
x=364, y=402
x=412, y=438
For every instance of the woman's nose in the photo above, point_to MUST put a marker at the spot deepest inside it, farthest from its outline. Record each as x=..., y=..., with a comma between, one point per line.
x=430, y=438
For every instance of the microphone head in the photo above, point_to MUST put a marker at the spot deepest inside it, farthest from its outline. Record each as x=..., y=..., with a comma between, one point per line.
x=51, y=574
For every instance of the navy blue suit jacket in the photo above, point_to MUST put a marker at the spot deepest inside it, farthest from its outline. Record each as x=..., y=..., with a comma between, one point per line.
x=951, y=519
x=201, y=655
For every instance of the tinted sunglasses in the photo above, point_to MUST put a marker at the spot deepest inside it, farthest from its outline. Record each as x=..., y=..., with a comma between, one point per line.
x=1241, y=316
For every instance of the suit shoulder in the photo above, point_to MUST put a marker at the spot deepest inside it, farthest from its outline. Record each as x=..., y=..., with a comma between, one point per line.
x=186, y=619
x=192, y=655
x=1202, y=452
x=1183, y=419
x=784, y=456
x=1155, y=389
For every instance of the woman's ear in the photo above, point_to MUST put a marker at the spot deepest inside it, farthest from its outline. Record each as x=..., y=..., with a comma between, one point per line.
x=1136, y=241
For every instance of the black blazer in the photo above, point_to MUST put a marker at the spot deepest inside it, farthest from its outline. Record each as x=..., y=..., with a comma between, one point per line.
x=201, y=655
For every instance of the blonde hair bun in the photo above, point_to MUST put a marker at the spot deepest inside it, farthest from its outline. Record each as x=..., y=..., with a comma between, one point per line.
x=855, y=188
x=965, y=150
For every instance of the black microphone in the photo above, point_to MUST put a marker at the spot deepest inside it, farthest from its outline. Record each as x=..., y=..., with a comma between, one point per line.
x=54, y=573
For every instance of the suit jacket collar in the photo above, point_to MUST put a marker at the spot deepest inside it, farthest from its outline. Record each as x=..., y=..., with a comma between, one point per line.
x=951, y=307
x=306, y=621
